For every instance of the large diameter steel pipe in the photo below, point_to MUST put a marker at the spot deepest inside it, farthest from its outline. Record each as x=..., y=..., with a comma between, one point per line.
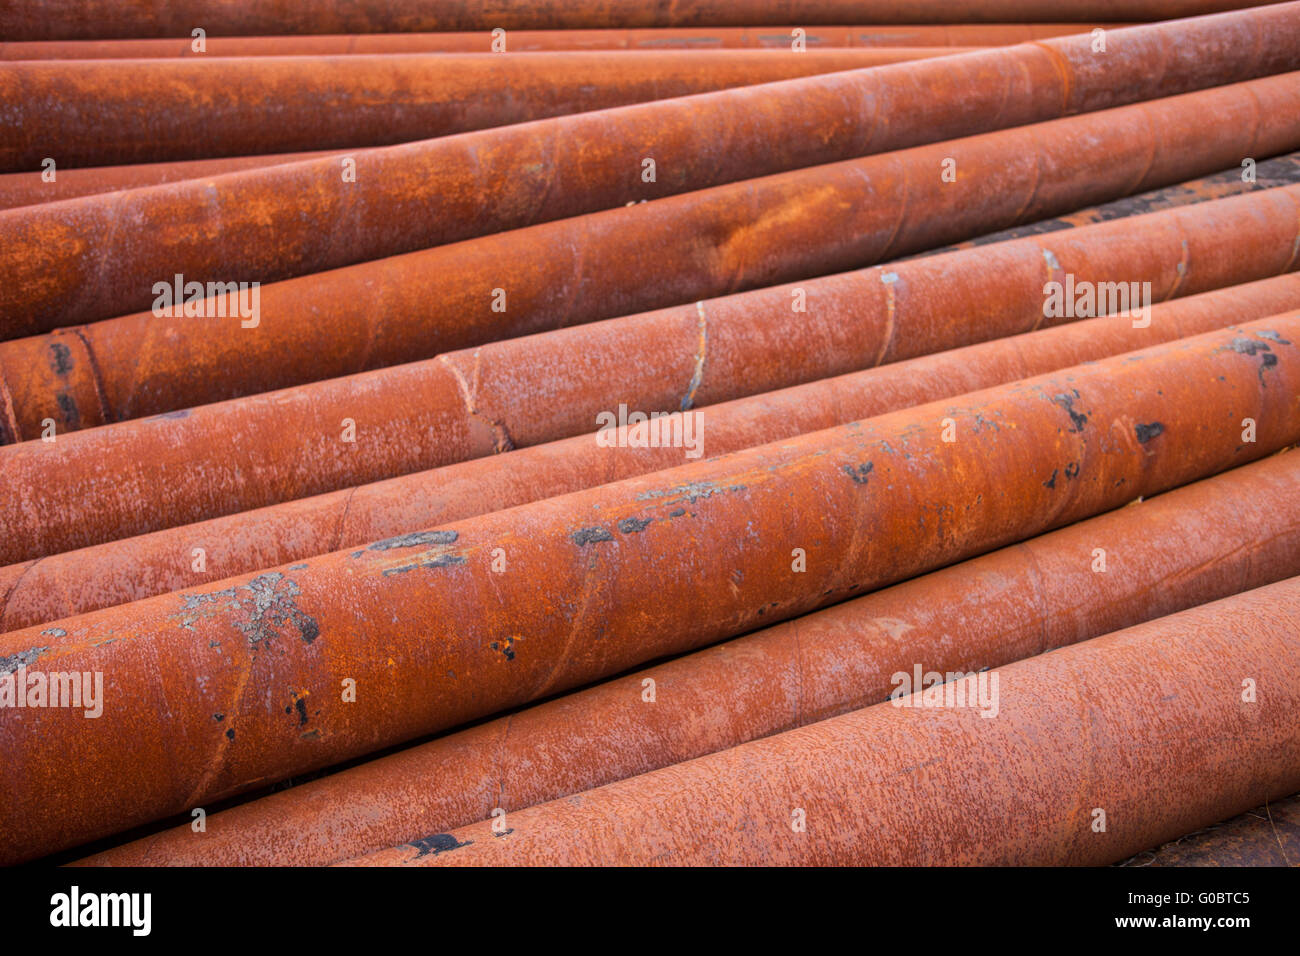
x=423, y=415
x=1269, y=174
x=107, y=19
x=119, y=571
x=708, y=243
x=1096, y=733
x=1195, y=544
x=175, y=480
x=102, y=112
x=1268, y=835
x=116, y=370
x=29, y=189
x=546, y=387
x=534, y=41
x=101, y=257
x=116, y=572
x=208, y=693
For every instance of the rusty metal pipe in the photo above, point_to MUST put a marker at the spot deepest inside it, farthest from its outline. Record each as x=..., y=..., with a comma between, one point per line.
x=744, y=235
x=1268, y=835
x=1115, y=724
x=1196, y=544
x=105, y=112
x=213, y=692
x=24, y=189
x=107, y=19
x=29, y=189
x=86, y=261
x=534, y=41
x=119, y=571
x=462, y=406
x=1270, y=173
x=546, y=387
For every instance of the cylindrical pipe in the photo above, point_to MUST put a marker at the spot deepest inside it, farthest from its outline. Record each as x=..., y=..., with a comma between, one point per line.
x=743, y=235
x=534, y=41
x=1267, y=174
x=209, y=693
x=107, y=19
x=1268, y=835
x=1096, y=733
x=547, y=387
x=106, y=112
x=123, y=570
x=88, y=261
x=418, y=416
x=1195, y=544
x=29, y=189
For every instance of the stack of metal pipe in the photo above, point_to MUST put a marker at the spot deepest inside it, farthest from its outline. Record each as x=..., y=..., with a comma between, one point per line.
x=599, y=433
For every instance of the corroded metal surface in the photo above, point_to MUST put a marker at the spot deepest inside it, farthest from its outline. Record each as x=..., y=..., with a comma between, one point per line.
x=104, y=19
x=27, y=189
x=708, y=243
x=424, y=415
x=1268, y=174
x=102, y=112
x=1268, y=835
x=533, y=41
x=99, y=256
x=118, y=571
x=1193, y=545
x=216, y=691
x=1117, y=724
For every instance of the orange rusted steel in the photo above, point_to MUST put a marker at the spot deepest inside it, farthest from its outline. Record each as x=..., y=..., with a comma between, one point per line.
x=1098, y=732
x=209, y=693
x=1268, y=835
x=104, y=112
x=535, y=41
x=424, y=415
x=744, y=235
x=1193, y=545
x=89, y=261
x=1268, y=174
x=27, y=189
x=114, y=371
x=119, y=571
x=108, y=19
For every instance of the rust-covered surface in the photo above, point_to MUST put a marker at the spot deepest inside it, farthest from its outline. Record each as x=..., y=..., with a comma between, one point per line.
x=221, y=689
x=1268, y=835
x=414, y=417
x=99, y=256
x=1193, y=545
x=535, y=41
x=123, y=570
x=29, y=189
x=1266, y=174
x=709, y=243
x=106, y=19
x=104, y=112
x=116, y=370
x=1117, y=726
x=418, y=416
